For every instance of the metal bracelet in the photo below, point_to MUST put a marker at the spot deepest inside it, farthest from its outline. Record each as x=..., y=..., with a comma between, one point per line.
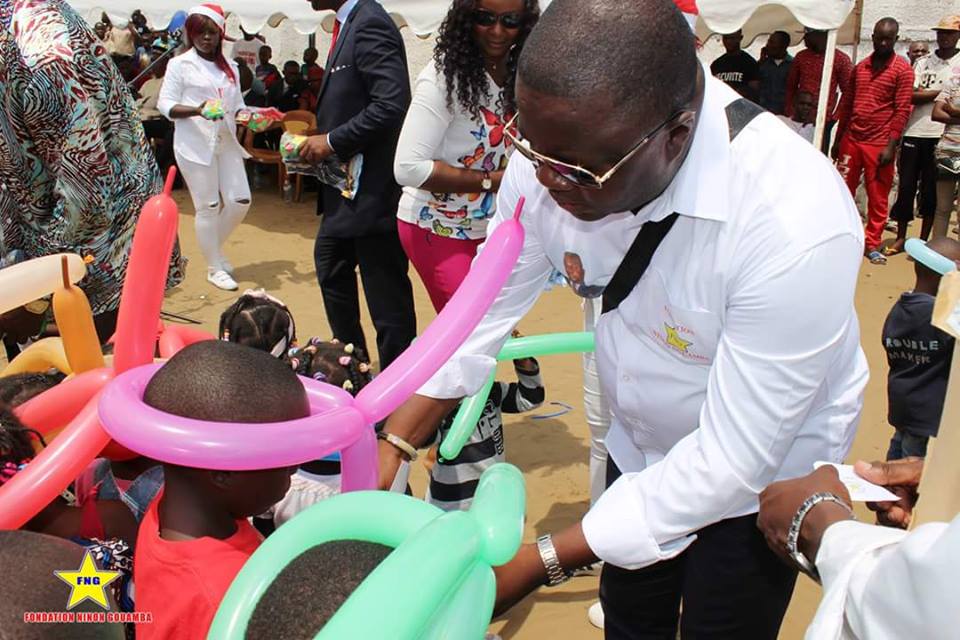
x=551, y=562
x=793, y=535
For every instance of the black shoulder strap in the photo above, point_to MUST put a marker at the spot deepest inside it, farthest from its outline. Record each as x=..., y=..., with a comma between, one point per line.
x=636, y=261
x=739, y=114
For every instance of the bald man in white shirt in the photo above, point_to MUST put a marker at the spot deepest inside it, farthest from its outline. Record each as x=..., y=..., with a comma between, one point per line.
x=728, y=345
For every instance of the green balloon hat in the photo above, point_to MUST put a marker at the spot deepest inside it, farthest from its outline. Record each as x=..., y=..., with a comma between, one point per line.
x=449, y=557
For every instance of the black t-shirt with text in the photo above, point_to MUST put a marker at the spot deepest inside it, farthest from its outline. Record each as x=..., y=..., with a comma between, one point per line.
x=919, y=356
x=737, y=69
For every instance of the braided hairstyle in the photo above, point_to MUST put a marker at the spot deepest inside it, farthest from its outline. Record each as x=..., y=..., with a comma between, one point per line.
x=460, y=60
x=341, y=365
x=20, y=387
x=260, y=321
x=16, y=445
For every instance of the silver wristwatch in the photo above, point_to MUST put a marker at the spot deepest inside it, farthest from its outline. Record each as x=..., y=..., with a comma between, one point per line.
x=487, y=183
x=793, y=535
x=548, y=555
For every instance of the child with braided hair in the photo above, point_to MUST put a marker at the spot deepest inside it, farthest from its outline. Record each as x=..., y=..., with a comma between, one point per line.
x=260, y=321
x=344, y=366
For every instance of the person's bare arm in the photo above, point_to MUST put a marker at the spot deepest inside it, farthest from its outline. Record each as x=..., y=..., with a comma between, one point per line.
x=415, y=421
x=449, y=179
x=924, y=96
x=946, y=113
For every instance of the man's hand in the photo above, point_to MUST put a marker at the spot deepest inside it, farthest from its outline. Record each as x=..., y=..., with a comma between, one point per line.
x=902, y=477
x=780, y=502
x=316, y=149
x=888, y=154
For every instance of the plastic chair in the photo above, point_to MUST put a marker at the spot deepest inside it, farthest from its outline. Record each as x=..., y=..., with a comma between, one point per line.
x=265, y=156
x=301, y=123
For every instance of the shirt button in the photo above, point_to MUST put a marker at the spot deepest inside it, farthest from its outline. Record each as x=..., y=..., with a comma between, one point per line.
x=626, y=378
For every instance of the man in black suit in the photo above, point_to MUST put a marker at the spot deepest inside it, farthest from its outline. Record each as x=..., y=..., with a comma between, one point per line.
x=363, y=101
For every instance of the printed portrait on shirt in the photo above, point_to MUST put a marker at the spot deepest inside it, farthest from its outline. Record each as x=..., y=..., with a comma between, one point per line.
x=577, y=275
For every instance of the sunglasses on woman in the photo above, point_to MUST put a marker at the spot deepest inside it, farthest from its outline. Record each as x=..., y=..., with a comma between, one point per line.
x=484, y=18
x=575, y=174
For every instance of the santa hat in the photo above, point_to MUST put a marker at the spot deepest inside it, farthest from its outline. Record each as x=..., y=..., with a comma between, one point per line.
x=213, y=11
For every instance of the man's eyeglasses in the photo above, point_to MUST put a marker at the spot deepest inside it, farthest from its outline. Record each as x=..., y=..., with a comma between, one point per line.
x=484, y=18
x=573, y=173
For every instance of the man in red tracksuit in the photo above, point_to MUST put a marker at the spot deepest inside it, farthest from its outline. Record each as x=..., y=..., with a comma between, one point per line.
x=873, y=114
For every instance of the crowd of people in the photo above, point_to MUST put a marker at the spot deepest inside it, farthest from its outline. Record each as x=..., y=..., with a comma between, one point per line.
x=728, y=353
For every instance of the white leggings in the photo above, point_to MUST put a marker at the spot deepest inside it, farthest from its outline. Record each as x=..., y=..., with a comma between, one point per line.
x=221, y=196
x=595, y=406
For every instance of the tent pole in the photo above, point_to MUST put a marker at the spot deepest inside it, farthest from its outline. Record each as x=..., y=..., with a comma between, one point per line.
x=825, y=79
x=857, y=28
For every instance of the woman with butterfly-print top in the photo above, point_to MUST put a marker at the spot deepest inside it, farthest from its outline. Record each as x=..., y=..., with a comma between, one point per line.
x=452, y=150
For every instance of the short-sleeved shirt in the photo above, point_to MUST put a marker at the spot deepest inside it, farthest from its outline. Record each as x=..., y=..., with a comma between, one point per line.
x=930, y=73
x=949, y=145
x=919, y=356
x=737, y=70
x=181, y=584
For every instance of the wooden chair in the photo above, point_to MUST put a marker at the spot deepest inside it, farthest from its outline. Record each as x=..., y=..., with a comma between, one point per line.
x=265, y=156
x=302, y=123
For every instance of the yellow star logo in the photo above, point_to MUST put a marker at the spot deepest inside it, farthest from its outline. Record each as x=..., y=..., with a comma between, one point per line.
x=88, y=583
x=674, y=339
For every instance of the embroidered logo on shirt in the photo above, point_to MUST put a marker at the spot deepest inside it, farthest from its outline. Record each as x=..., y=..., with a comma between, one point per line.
x=674, y=340
x=678, y=337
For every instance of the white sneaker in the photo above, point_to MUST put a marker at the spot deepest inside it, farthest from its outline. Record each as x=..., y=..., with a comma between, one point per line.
x=595, y=615
x=222, y=280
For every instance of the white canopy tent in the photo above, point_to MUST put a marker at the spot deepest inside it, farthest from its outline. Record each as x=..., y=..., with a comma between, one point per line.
x=422, y=16
x=758, y=16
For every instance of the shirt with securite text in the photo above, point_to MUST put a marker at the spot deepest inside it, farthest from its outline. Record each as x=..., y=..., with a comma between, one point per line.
x=919, y=357
x=737, y=70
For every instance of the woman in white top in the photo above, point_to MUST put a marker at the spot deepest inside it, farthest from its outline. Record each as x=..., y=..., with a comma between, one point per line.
x=452, y=150
x=208, y=153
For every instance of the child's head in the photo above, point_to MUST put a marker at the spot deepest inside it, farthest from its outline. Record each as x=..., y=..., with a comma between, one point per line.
x=260, y=321
x=27, y=563
x=310, y=55
x=16, y=444
x=341, y=365
x=291, y=72
x=265, y=54
x=310, y=590
x=223, y=382
x=18, y=388
x=928, y=280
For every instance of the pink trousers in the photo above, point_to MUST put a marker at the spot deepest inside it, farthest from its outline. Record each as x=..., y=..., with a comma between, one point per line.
x=442, y=263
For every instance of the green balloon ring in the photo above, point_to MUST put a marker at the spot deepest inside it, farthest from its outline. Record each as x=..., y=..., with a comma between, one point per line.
x=455, y=589
x=527, y=347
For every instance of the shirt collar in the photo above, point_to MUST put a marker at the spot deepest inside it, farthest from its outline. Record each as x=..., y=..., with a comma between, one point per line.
x=345, y=9
x=699, y=189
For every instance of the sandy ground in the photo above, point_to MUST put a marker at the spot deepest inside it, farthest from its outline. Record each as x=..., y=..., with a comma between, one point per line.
x=273, y=249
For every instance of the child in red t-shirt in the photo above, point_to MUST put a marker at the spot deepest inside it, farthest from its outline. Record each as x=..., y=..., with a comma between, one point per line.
x=195, y=536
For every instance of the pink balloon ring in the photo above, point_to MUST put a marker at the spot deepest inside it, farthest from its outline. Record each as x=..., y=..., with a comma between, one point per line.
x=333, y=425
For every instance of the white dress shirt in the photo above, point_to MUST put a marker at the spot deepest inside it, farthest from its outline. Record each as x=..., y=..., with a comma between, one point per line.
x=887, y=584
x=735, y=361
x=190, y=81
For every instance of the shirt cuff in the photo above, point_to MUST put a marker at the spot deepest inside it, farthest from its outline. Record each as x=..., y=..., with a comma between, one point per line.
x=464, y=376
x=330, y=143
x=617, y=532
x=843, y=543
